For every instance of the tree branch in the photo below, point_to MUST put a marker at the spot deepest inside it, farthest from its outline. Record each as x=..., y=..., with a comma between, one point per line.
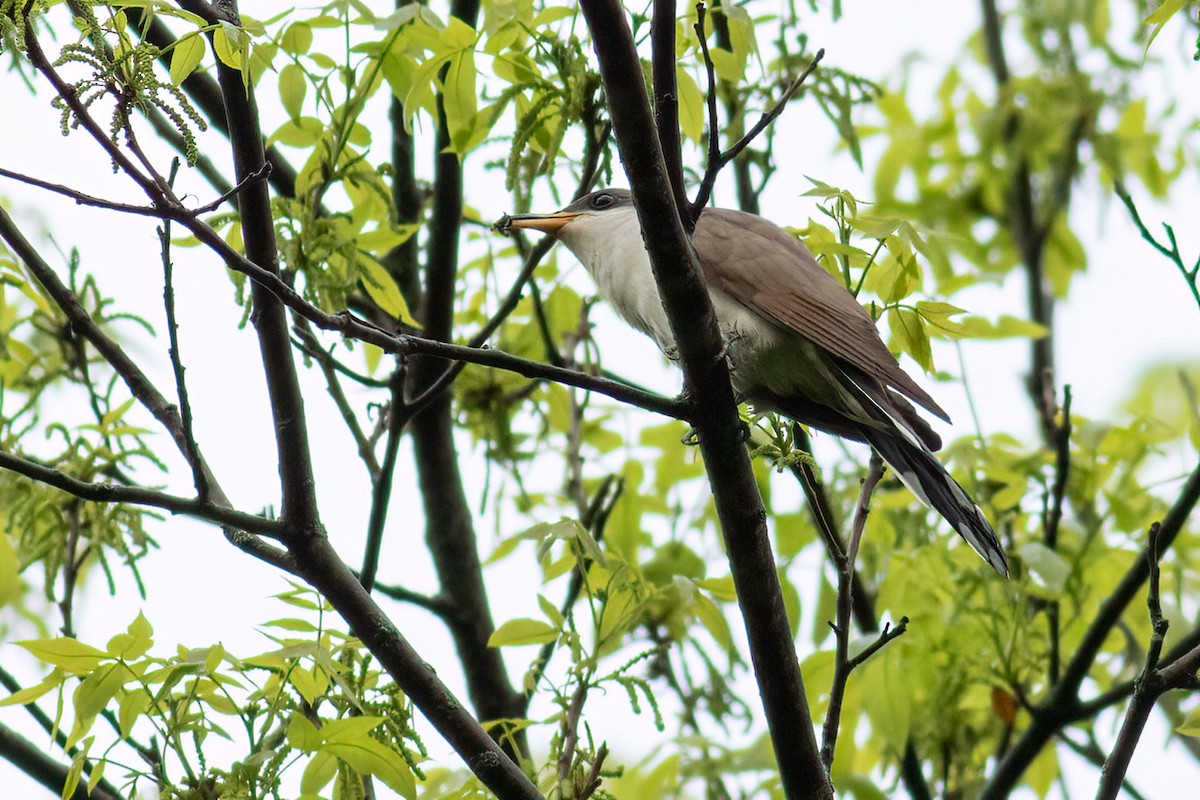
x=112, y=493
x=706, y=377
x=1152, y=683
x=1062, y=700
x=713, y=169
x=297, y=485
x=666, y=97
x=843, y=562
x=33, y=761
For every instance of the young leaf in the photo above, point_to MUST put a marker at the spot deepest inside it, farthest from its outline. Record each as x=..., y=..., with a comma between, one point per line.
x=522, y=631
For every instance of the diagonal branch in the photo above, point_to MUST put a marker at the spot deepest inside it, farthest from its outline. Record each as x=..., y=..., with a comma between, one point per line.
x=706, y=376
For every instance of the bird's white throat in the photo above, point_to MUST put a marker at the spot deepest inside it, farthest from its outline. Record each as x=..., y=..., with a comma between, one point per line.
x=620, y=266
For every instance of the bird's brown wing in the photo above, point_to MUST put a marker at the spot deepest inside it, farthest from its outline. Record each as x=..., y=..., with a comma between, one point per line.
x=770, y=272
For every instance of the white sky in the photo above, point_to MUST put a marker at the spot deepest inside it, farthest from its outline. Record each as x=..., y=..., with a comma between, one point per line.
x=1130, y=309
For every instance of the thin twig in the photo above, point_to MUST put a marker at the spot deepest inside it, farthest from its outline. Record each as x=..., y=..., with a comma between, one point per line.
x=714, y=139
x=1192, y=276
x=436, y=605
x=843, y=664
x=1053, y=517
x=307, y=343
x=191, y=449
x=381, y=486
x=1150, y=685
x=710, y=173
x=111, y=493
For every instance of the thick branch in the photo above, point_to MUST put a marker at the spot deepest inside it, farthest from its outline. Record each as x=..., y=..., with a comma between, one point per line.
x=330, y=576
x=449, y=523
x=33, y=761
x=297, y=485
x=693, y=324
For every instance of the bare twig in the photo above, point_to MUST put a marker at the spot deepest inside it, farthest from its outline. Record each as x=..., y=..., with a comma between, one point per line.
x=111, y=493
x=381, y=485
x=191, y=449
x=1053, y=517
x=843, y=664
x=1152, y=683
x=330, y=367
x=714, y=138
x=714, y=168
x=1062, y=705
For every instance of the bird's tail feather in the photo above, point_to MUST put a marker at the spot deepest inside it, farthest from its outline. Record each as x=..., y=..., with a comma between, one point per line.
x=921, y=472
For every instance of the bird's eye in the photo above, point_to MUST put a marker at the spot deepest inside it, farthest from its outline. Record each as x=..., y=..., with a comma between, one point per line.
x=603, y=201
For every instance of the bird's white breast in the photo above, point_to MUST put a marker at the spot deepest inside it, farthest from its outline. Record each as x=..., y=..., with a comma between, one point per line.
x=610, y=247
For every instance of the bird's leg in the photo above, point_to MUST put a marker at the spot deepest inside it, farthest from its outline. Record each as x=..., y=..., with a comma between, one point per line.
x=692, y=438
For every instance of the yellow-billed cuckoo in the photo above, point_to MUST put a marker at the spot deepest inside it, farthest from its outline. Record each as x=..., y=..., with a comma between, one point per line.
x=797, y=342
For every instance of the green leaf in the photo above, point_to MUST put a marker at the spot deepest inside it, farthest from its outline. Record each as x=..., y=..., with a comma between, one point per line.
x=367, y=756
x=135, y=642
x=186, y=56
x=617, y=613
x=1191, y=723
x=319, y=771
x=302, y=132
x=383, y=290
x=691, y=105
x=296, y=39
x=31, y=693
x=232, y=45
x=1042, y=772
x=713, y=620
x=71, y=782
x=10, y=571
x=1049, y=568
x=293, y=86
x=551, y=612
x=96, y=775
x=1160, y=16
x=70, y=654
x=302, y=734
x=131, y=706
x=292, y=624
x=522, y=631
x=93, y=694
x=910, y=336
x=719, y=588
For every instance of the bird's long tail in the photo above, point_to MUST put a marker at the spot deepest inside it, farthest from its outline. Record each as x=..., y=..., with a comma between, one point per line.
x=921, y=472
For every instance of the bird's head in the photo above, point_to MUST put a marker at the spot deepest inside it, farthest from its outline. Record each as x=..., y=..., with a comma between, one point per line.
x=590, y=217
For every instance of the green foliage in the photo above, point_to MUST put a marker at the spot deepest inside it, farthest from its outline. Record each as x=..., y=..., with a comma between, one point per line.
x=634, y=603
x=314, y=704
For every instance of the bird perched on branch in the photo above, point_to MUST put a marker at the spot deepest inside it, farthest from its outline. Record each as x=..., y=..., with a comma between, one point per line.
x=796, y=340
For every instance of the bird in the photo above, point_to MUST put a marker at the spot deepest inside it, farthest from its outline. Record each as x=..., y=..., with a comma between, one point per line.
x=796, y=340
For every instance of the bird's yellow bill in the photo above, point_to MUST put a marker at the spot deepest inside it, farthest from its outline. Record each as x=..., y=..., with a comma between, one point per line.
x=546, y=223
